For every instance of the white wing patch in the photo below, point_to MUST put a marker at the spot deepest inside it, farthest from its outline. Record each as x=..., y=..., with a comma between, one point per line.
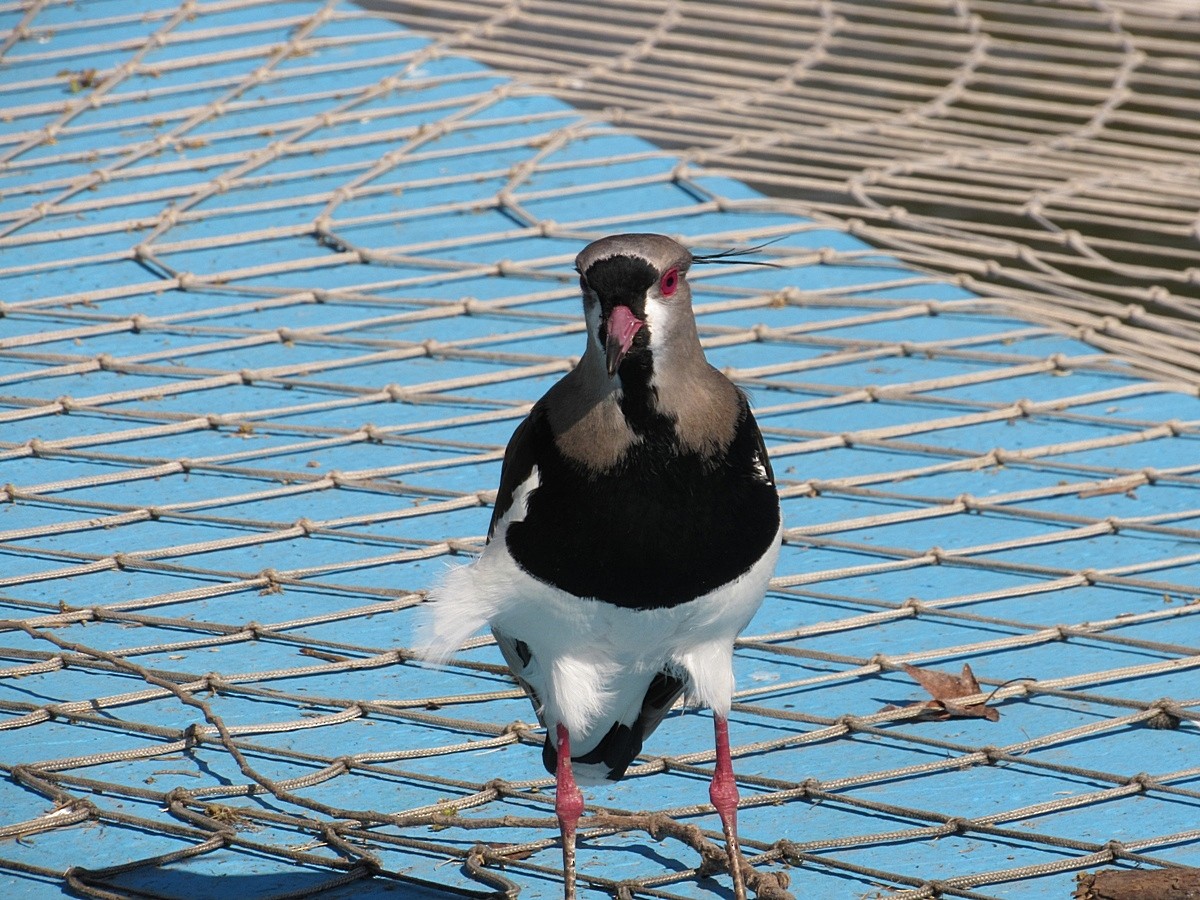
x=519, y=507
x=463, y=601
x=760, y=469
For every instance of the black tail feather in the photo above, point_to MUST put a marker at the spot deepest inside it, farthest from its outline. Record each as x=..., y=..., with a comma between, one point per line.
x=620, y=747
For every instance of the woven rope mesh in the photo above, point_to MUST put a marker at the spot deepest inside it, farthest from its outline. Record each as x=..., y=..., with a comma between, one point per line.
x=1049, y=148
x=278, y=279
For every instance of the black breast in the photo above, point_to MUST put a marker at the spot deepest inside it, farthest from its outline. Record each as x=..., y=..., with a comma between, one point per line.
x=663, y=528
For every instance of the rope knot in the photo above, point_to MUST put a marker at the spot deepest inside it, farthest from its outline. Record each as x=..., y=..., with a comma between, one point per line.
x=1143, y=780
x=1167, y=715
x=959, y=824
x=271, y=585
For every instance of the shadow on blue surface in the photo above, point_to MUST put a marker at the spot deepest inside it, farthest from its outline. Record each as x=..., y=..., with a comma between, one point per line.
x=170, y=883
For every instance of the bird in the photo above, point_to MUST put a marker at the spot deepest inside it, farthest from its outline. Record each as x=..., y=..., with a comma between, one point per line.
x=633, y=536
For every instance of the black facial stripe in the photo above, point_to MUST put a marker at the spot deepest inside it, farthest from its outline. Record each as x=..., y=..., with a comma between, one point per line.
x=622, y=281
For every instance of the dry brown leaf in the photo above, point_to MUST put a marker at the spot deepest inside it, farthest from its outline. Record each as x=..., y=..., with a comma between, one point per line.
x=943, y=685
x=946, y=689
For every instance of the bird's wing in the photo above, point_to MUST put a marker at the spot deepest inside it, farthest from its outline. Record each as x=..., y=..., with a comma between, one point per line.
x=761, y=456
x=762, y=460
x=520, y=458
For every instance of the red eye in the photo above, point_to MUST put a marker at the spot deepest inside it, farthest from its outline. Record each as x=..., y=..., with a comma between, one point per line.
x=670, y=281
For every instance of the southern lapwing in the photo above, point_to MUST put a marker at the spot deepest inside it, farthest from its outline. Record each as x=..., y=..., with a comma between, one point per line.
x=635, y=529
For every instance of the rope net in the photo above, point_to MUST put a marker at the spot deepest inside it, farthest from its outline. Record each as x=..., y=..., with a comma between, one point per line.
x=1046, y=148
x=278, y=279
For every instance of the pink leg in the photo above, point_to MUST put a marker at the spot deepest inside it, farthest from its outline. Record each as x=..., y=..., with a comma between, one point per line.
x=568, y=805
x=724, y=795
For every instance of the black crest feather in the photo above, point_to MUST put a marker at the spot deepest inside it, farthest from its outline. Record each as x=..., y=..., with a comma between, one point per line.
x=733, y=254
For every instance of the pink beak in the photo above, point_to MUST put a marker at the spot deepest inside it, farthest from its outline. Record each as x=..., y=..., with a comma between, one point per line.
x=621, y=327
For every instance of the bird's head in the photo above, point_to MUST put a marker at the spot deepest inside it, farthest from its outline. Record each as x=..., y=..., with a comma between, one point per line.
x=636, y=297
